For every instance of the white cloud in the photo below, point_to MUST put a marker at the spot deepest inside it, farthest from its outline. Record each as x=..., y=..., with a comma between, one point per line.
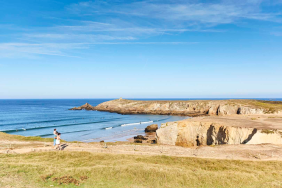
x=30, y=50
x=18, y=50
x=189, y=12
x=126, y=23
x=75, y=37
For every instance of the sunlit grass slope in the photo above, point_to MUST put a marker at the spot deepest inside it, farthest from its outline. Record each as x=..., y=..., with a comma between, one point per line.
x=69, y=169
x=10, y=137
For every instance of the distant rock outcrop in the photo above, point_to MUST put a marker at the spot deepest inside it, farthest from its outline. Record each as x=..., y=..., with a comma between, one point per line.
x=139, y=139
x=191, y=107
x=86, y=106
x=147, y=139
x=151, y=128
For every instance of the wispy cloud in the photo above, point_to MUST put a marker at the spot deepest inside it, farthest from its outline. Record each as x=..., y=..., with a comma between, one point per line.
x=279, y=34
x=67, y=37
x=31, y=50
x=18, y=50
x=103, y=22
x=187, y=12
x=130, y=28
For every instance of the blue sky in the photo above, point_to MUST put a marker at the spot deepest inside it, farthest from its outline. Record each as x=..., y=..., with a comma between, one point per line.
x=140, y=49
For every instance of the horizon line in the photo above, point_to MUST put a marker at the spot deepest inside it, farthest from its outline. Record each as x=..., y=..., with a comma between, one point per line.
x=142, y=98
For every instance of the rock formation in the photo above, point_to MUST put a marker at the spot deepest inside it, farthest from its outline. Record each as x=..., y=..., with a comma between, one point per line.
x=196, y=133
x=151, y=128
x=148, y=139
x=139, y=139
x=86, y=106
x=191, y=107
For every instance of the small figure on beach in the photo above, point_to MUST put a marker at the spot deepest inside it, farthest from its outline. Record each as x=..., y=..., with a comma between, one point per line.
x=58, y=141
x=55, y=136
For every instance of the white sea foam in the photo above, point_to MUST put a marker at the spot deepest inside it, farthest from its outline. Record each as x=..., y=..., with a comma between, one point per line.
x=131, y=124
x=136, y=123
x=147, y=122
x=109, y=128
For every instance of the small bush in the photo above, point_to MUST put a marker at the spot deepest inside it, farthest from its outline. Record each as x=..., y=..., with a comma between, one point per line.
x=267, y=131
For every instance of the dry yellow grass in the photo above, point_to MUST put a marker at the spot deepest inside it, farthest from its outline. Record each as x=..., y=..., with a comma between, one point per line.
x=269, y=106
x=108, y=170
x=10, y=137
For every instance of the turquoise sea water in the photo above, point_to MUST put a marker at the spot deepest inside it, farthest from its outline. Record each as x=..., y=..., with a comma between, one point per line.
x=40, y=117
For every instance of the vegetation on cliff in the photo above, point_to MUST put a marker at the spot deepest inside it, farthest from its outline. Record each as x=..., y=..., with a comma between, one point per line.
x=269, y=106
x=188, y=107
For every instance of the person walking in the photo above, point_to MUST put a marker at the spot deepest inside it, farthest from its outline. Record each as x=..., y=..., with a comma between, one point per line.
x=55, y=137
x=58, y=141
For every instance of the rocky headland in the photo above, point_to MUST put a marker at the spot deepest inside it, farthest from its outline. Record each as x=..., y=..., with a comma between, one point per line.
x=215, y=122
x=188, y=108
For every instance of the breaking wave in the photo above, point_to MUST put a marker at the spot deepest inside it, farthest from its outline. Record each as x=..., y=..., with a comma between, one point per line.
x=136, y=123
x=53, y=126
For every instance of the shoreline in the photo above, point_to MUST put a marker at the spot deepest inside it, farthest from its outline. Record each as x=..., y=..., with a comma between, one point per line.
x=259, y=152
x=235, y=152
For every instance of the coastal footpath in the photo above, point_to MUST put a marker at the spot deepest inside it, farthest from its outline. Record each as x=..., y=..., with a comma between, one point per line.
x=215, y=122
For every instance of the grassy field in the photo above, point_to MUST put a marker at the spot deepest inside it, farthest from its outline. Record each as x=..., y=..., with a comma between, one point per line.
x=269, y=106
x=10, y=137
x=66, y=169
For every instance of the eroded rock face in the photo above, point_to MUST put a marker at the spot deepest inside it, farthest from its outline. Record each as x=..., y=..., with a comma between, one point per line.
x=187, y=108
x=151, y=128
x=189, y=133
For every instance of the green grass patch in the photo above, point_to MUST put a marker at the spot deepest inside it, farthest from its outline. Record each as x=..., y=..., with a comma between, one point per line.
x=267, y=131
x=5, y=136
x=268, y=106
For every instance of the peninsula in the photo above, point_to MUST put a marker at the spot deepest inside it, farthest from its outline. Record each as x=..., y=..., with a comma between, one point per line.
x=188, y=107
x=218, y=121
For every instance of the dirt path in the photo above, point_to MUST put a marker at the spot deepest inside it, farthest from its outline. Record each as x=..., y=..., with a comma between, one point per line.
x=236, y=152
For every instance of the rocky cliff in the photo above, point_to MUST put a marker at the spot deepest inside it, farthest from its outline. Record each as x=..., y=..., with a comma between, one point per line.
x=195, y=133
x=191, y=107
x=221, y=124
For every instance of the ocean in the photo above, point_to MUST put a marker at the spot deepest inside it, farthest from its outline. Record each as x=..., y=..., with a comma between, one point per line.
x=39, y=117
